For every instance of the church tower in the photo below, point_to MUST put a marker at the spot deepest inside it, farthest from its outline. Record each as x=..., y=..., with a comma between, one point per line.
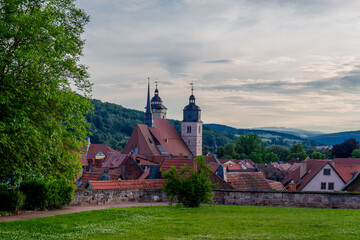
x=191, y=126
x=148, y=116
x=157, y=107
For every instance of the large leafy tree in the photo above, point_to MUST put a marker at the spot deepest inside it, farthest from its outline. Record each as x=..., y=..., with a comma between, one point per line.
x=345, y=149
x=248, y=143
x=42, y=127
x=297, y=151
x=190, y=187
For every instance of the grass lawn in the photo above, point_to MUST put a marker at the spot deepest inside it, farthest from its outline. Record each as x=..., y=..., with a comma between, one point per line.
x=206, y=222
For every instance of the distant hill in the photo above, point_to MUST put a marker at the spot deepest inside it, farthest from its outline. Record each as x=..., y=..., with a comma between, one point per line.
x=293, y=131
x=268, y=137
x=112, y=124
x=336, y=138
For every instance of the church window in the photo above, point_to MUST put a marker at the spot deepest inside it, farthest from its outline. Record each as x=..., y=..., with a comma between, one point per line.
x=188, y=129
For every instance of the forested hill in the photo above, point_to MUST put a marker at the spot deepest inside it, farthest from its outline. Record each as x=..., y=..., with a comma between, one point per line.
x=113, y=124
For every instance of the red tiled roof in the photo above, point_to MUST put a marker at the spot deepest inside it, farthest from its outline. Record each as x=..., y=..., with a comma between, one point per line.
x=276, y=185
x=219, y=182
x=294, y=166
x=114, y=160
x=233, y=167
x=347, y=172
x=177, y=162
x=96, y=148
x=94, y=177
x=128, y=184
x=248, y=181
x=149, y=141
x=347, y=167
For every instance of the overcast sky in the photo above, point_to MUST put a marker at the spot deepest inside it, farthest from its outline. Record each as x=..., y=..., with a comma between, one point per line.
x=254, y=63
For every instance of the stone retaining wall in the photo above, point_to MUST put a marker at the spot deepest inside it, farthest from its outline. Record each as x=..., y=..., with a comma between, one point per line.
x=288, y=199
x=226, y=197
x=108, y=196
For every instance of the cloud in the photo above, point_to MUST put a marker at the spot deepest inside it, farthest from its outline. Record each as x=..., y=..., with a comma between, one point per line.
x=291, y=61
x=220, y=61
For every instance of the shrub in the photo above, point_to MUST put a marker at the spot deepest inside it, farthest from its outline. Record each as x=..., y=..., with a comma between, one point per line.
x=11, y=200
x=52, y=194
x=189, y=187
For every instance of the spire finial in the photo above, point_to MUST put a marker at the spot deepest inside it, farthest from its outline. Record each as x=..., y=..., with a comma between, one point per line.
x=148, y=117
x=192, y=88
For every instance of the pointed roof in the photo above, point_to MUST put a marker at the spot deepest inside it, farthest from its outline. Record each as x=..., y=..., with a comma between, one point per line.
x=160, y=140
x=148, y=117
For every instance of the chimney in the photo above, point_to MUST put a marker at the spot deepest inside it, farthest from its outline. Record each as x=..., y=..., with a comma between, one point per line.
x=292, y=186
x=303, y=166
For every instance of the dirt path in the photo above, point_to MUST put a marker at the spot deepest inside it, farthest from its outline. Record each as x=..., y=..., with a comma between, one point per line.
x=73, y=209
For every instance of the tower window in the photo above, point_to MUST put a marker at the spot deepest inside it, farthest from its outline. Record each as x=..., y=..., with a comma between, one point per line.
x=188, y=129
x=199, y=129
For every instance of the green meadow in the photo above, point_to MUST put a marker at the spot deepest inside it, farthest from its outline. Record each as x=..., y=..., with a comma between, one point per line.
x=206, y=222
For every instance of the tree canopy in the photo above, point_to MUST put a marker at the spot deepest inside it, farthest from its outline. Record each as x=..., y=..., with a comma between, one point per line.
x=42, y=127
x=345, y=149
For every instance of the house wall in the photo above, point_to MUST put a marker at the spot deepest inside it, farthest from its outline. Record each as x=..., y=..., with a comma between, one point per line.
x=315, y=183
x=109, y=196
x=288, y=199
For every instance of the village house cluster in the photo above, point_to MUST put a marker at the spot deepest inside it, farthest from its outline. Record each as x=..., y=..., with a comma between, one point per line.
x=155, y=146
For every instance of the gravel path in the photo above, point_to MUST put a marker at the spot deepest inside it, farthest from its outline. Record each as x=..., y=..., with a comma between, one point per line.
x=73, y=209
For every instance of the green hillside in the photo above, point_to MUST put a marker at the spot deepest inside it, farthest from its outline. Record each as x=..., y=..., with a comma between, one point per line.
x=268, y=137
x=112, y=124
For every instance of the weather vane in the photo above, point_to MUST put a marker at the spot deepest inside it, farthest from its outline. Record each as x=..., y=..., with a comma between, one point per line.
x=192, y=87
x=156, y=83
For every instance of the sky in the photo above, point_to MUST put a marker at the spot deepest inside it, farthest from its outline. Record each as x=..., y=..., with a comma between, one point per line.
x=254, y=63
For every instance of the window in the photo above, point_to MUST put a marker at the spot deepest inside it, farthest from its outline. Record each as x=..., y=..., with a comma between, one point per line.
x=188, y=129
x=323, y=185
x=327, y=171
x=330, y=186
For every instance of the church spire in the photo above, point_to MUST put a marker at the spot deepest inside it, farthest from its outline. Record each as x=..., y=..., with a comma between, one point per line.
x=148, y=117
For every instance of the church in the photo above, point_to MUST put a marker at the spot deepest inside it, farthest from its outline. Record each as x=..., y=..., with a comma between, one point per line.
x=158, y=138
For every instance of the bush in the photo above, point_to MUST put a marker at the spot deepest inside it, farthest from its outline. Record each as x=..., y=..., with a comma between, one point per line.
x=41, y=194
x=11, y=200
x=190, y=187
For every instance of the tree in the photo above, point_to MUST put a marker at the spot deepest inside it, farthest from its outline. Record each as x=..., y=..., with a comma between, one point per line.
x=281, y=151
x=317, y=155
x=229, y=151
x=248, y=143
x=297, y=151
x=271, y=157
x=355, y=153
x=345, y=149
x=42, y=126
x=189, y=186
